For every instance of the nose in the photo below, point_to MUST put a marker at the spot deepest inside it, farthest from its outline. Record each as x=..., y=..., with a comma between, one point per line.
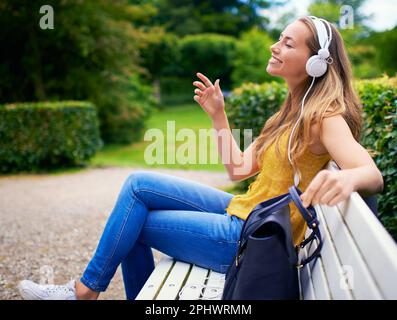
x=274, y=48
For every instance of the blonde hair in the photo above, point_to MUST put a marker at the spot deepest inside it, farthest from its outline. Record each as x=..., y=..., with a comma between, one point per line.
x=331, y=94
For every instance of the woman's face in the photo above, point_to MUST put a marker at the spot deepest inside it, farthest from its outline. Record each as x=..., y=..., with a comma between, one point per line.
x=290, y=53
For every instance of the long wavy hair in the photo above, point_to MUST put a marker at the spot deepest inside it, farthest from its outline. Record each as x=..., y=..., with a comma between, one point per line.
x=331, y=94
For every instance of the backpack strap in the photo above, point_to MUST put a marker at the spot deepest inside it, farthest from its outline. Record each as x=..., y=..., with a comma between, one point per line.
x=310, y=216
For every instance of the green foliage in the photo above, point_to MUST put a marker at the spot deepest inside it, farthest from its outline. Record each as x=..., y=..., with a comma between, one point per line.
x=47, y=135
x=124, y=110
x=210, y=54
x=91, y=54
x=326, y=10
x=379, y=99
x=159, y=51
x=230, y=17
x=386, y=53
x=176, y=91
x=249, y=107
x=362, y=56
x=251, y=58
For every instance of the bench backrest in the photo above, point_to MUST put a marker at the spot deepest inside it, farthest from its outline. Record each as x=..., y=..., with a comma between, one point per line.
x=358, y=259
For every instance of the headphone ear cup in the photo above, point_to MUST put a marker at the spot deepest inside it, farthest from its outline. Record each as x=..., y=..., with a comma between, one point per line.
x=315, y=66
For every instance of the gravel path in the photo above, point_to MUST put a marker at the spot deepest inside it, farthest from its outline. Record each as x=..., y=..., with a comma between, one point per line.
x=50, y=224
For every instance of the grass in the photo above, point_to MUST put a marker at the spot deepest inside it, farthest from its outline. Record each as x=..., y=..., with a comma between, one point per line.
x=186, y=116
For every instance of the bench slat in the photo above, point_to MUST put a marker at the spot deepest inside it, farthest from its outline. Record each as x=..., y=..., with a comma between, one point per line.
x=307, y=284
x=300, y=285
x=376, y=245
x=156, y=279
x=174, y=281
x=331, y=263
x=192, y=288
x=214, y=286
x=319, y=280
x=363, y=285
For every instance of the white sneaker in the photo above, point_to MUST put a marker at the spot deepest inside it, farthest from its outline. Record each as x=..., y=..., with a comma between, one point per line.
x=30, y=290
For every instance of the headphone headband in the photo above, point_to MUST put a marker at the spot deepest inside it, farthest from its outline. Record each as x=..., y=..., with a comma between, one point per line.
x=316, y=66
x=324, y=37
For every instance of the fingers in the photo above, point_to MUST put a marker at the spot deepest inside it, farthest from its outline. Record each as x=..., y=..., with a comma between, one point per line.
x=327, y=197
x=217, y=87
x=199, y=85
x=334, y=201
x=312, y=189
x=206, y=81
x=324, y=189
x=198, y=92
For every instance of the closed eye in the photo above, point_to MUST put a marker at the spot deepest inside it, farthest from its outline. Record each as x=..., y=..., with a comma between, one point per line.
x=287, y=45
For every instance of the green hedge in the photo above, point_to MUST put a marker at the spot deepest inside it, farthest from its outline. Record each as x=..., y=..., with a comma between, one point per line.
x=251, y=58
x=176, y=90
x=252, y=104
x=210, y=54
x=379, y=99
x=123, y=109
x=47, y=135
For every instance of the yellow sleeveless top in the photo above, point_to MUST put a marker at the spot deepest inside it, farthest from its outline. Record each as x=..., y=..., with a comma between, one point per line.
x=274, y=179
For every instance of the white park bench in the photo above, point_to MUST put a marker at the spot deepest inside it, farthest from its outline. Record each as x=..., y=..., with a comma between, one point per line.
x=358, y=261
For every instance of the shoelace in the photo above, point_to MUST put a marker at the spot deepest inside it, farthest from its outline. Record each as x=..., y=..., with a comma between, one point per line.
x=69, y=287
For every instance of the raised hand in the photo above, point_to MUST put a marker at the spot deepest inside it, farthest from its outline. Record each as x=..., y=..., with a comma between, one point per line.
x=209, y=96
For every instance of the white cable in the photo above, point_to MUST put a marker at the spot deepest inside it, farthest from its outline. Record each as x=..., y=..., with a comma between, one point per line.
x=296, y=176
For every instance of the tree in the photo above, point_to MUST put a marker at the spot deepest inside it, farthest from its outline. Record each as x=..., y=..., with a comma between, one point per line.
x=159, y=52
x=251, y=58
x=229, y=17
x=91, y=54
x=386, y=53
x=211, y=54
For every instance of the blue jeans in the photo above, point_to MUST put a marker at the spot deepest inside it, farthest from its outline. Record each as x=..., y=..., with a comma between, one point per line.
x=179, y=217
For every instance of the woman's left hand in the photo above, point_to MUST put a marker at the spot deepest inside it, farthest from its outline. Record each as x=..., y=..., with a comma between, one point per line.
x=328, y=187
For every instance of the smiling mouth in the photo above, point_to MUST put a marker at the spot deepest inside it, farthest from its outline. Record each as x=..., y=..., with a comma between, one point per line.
x=273, y=59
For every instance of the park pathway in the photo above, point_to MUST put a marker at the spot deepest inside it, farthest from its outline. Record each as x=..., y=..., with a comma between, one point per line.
x=53, y=222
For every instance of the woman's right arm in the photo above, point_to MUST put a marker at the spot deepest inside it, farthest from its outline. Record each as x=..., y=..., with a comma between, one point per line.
x=239, y=165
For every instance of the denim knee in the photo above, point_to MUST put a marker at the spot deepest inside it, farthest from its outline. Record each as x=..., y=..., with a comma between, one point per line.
x=135, y=179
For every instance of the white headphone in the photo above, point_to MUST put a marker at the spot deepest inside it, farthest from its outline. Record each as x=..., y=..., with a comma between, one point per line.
x=316, y=66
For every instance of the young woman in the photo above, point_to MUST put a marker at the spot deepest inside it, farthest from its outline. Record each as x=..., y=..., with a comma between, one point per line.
x=200, y=224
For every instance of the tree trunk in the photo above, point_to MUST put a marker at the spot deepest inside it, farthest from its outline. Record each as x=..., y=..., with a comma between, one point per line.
x=157, y=89
x=37, y=75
